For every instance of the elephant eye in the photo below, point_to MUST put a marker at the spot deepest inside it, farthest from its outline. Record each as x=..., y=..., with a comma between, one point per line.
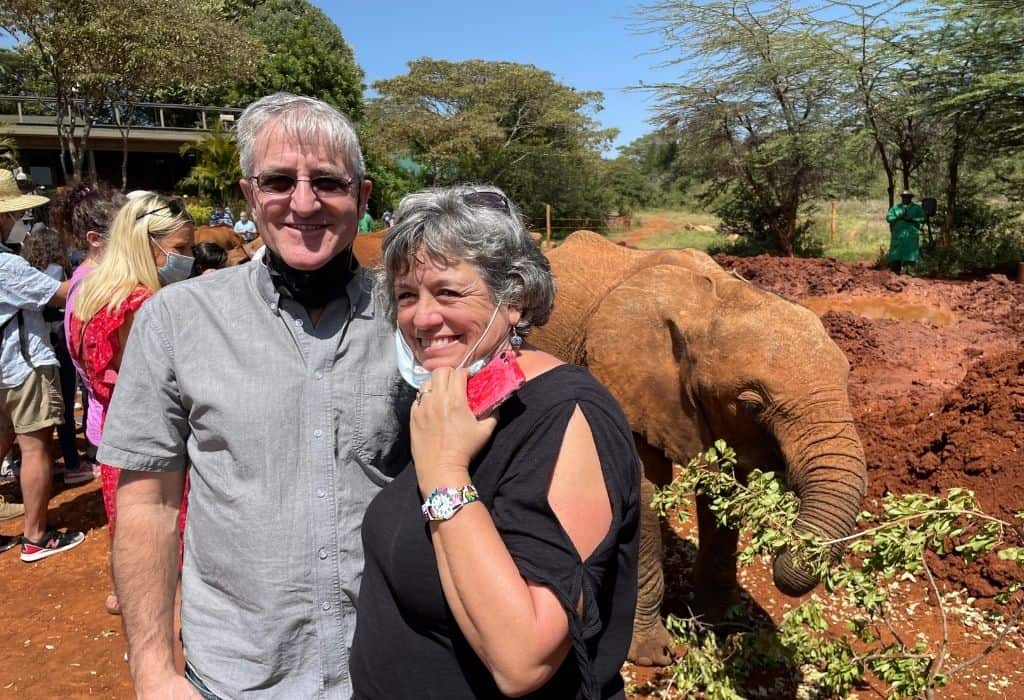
x=750, y=402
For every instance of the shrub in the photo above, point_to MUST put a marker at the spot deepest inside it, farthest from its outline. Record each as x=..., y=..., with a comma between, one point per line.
x=741, y=215
x=200, y=213
x=987, y=238
x=890, y=547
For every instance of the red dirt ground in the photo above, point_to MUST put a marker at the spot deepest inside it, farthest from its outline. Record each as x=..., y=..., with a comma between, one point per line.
x=937, y=386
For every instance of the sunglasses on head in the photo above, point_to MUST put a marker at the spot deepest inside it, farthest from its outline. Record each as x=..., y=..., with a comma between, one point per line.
x=174, y=207
x=488, y=200
x=280, y=184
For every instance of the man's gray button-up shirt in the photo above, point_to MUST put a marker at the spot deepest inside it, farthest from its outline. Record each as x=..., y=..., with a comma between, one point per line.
x=223, y=373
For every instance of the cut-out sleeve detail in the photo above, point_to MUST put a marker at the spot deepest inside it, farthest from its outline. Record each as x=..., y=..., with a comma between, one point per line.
x=539, y=544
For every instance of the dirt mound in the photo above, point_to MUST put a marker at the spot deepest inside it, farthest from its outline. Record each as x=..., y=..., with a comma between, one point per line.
x=855, y=335
x=799, y=277
x=973, y=439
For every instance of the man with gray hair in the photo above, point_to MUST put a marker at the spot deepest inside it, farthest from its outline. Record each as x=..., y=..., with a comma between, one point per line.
x=283, y=461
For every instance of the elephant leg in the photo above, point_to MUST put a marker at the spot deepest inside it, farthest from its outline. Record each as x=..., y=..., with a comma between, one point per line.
x=651, y=644
x=715, y=584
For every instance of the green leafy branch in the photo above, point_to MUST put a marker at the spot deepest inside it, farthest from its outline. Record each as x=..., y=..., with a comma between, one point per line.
x=891, y=546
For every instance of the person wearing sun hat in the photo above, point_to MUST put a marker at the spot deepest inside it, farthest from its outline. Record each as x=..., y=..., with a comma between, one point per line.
x=30, y=399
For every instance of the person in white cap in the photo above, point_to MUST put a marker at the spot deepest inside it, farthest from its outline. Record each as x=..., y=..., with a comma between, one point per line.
x=30, y=399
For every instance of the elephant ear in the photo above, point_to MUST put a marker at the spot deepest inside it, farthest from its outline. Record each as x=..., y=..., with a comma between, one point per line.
x=641, y=343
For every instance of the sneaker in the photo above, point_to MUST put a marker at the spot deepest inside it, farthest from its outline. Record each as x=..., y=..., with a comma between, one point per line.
x=10, y=510
x=81, y=475
x=10, y=466
x=53, y=542
x=6, y=542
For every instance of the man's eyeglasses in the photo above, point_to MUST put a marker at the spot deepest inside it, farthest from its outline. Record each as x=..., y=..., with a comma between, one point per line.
x=488, y=200
x=279, y=184
x=174, y=207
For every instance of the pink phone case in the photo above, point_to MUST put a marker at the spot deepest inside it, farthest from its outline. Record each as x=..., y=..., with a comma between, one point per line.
x=492, y=385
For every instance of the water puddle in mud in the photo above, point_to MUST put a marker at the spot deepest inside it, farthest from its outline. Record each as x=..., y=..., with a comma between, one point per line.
x=882, y=307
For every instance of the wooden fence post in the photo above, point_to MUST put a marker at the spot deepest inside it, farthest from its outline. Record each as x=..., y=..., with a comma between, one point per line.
x=832, y=227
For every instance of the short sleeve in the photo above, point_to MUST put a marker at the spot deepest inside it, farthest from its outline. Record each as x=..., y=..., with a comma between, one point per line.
x=535, y=538
x=25, y=287
x=146, y=426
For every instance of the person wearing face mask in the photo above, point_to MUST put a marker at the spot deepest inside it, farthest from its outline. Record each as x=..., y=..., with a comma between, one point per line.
x=83, y=214
x=146, y=246
x=503, y=561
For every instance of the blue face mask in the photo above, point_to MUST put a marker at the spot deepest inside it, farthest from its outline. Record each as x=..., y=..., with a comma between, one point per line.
x=414, y=374
x=178, y=267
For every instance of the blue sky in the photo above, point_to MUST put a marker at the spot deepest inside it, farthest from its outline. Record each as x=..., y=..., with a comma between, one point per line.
x=585, y=44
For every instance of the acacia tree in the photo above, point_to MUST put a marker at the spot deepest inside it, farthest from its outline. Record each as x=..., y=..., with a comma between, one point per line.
x=97, y=52
x=874, y=56
x=172, y=42
x=760, y=98
x=505, y=123
x=971, y=69
x=61, y=34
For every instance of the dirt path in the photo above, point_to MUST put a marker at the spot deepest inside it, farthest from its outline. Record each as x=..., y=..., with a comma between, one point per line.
x=651, y=224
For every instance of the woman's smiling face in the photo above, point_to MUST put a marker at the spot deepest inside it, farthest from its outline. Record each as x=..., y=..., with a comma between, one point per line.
x=443, y=310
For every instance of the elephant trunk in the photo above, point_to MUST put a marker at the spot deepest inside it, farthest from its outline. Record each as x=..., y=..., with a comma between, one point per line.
x=827, y=471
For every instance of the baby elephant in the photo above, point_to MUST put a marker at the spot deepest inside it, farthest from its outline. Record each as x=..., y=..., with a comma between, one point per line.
x=695, y=354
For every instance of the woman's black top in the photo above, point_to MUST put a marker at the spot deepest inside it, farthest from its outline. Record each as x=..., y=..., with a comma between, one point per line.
x=407, y=643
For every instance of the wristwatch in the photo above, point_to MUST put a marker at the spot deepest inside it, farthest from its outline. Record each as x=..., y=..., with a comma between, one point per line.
x=444, y=502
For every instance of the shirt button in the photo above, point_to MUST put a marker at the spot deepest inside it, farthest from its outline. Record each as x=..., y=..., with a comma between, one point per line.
x=273, y=306
x=318, y=375
x=322, y=553
x=320, y=493
x=325, y=605
x=318, y=433
x=298, y=322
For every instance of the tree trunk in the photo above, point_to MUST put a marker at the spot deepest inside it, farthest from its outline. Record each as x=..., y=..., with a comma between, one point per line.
x=890, y=176
x=952, y=185
x=786, y=222
x=124, y=159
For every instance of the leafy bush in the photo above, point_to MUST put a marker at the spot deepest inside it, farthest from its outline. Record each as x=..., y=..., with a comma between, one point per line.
x=200, y=213
x=722, y=660
x=741, y=215
x=987, y=238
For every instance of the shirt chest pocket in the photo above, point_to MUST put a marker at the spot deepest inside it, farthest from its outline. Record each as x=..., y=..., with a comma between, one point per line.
x=380, y=426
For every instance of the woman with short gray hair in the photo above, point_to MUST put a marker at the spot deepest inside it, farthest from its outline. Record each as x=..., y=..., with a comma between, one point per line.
x=524, y=580
x=479, y=225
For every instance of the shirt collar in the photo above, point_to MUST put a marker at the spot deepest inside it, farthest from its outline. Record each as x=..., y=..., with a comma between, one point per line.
x=357, y=288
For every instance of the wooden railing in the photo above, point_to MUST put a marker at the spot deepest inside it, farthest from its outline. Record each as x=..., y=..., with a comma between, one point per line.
x=31, y=109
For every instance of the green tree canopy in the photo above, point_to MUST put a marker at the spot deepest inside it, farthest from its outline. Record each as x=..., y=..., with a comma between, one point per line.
x=760, y=100
x=504, y=123
x=95, y=52
x=970, y=75
x=217, y=169
x=306, y=54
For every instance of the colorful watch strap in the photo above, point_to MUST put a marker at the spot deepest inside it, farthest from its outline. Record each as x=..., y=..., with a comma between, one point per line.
x=444, y=502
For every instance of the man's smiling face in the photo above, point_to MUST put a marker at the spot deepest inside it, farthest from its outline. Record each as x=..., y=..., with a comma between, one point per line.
x=304, y=229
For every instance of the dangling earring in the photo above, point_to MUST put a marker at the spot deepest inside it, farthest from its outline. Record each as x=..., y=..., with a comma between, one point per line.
x=515, y=341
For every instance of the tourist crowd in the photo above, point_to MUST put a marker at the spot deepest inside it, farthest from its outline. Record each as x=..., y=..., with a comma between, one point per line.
x=394, y=470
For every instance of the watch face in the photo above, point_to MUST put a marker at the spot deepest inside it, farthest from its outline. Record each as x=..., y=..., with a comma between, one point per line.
x=442, y=506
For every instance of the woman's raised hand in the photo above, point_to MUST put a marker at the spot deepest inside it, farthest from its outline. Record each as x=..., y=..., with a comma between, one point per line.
x=445, y=433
